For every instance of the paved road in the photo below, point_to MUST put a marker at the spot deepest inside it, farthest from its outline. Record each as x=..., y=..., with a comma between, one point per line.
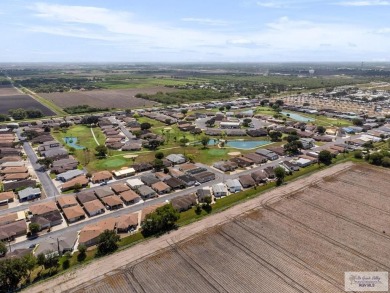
x=47, y=184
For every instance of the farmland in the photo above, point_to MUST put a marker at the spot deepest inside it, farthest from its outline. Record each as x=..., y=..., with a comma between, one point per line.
x=10, y=98
x=124, y=98
x=342, y=221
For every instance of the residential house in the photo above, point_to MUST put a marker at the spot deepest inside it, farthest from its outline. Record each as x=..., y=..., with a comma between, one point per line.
x=175, y=183
x=225, y=166
x=112, y=202
x=55, y=154
x=7, y=197
x=161, y=187
x=259, y=176
x=10, y=231
x=219, y=190
x=175, y=172
x=233, y=185
x=150, y=209
x=176, y=158
x=255, y=158
x=119, y=188
x=184, y=203
x=94, y=207
x=146, y=192
x=85, y=196
x=307, y=143
x=242, y=162
x=82, y=181
x=129, y=197
x=73, y=213
x=246, y=181
x=43, y=208
x=18, y=185
x=290, y=166
x=69, y=175
x=63, y=165
x=149, y=179
x=100, y=177
x=203, y=193
x=270, y=172
x=13, y=170
x=277, y=150
x=188, y=180
x=270, y=155
x=134, y=183
x=191, y=168
x=103, y=192
x=58, y=245
x=16, y=177
x=66, y=201
x=302, y=162
x=141, y=167
x=162, y=176
x=47, y=220
x=204, y=176
x=89, y=235
x=124, y=173
x=126, y=223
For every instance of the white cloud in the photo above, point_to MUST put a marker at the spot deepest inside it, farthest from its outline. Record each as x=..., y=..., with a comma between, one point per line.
x=206, y=21
x=365, y=3
x=287, y=37
x=271, y=4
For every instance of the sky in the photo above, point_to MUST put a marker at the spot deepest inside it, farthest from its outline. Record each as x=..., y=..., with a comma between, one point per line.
x=194, y=31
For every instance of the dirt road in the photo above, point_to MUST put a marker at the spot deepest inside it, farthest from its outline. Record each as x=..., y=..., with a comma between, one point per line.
x=98, y=268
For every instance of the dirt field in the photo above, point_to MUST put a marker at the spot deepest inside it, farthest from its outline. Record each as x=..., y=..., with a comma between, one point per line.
x=331, y=222
x=10, y=98
x=105, y=98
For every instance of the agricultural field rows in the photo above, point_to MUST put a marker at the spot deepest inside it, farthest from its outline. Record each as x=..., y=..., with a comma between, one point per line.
x=302, y=243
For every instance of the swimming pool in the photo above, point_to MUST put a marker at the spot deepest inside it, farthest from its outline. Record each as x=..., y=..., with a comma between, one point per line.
x=298, y=117
x=72, y=142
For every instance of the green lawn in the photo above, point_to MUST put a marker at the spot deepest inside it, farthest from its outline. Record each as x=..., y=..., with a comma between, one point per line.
x=143, y=82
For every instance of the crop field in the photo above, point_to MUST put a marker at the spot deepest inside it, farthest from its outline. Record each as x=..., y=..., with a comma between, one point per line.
x=302, y=243
x=122, y=98
x=10, y=98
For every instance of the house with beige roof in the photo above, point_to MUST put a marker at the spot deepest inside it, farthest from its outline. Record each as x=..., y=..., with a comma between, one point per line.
x=126, y=223
x=89, y=235
x=74, y=213
x=66, y=201
x=94, y=207
x=43, y=208
x=112, y=202
x=100, y=177
x=129, y=197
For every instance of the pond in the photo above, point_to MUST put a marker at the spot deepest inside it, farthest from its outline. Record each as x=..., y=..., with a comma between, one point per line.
x=244, y=144
x=298, y=117
x=72, y=142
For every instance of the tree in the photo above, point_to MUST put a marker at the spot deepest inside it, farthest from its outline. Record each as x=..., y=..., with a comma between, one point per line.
x=154, y=144
x=275, y=135
x=292, y=137
x=293, y=147
x=221, y=108
x=386, y=162
x=376, y=159
x=159, y=155
x=246, y=122
x=280, y=173
x=72, y=150
x=183, y=141
x=46, y=162
x=4, y=117
x=34, y=228
x=77, y=186
x=41, y=259
x=228, y=107
x=205, y=141
x=18, y=114
x=357, y=122
x=210, y=122
x=321, y=129
x=90, y=120
x=31, y=261
x=325, y=157
x=145, y=126
x=51, y=261
x=207, y=204
x=82, y=252
x=107, y=242
x=34, y=113
x=101, y=151
x=279, y=103
x=158, y=164
x=12, y=272
x=3, y=248
x=358, y=154
x=184, y=111
x=163, y=219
